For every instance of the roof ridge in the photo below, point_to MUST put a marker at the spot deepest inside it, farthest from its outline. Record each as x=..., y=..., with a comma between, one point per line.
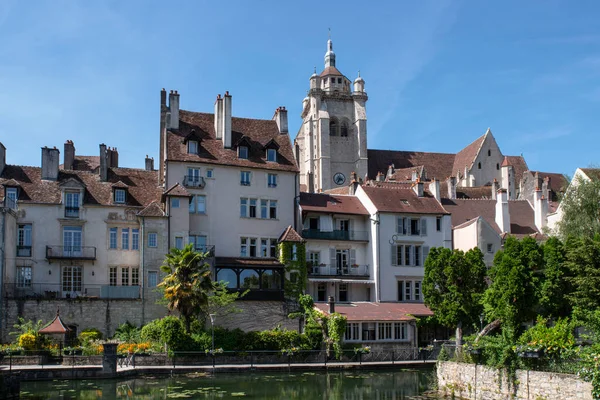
x=232, y=117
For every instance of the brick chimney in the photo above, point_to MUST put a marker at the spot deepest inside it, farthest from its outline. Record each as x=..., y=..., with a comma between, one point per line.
x=540, y=208
x=354, y=183
x=103, y=163
x=331, y=302
x=227, y=120
x=390, y=171
x=50, y=161
x=219, y=117
x=281, y=118
x=69, y=155
x=112, y=157
x=149, y=163
x=173, y=109
x=380, y=177
x=502, y=214
x=2, y=157
x=451, y=182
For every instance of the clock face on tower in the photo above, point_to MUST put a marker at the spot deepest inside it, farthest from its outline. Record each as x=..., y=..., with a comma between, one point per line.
x=339, y=178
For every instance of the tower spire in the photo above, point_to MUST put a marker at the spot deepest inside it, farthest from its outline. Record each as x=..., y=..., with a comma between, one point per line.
x=330, y=55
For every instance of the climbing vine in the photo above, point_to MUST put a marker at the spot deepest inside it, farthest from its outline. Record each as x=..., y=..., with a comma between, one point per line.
x=336, y=328
x=293, y=256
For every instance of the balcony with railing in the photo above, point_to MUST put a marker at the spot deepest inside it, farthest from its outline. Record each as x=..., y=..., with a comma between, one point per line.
x=71, y=212
x=193, y=181
x=52, y=291
x=354, y=270
x=335, y=235
x=70, y=252
x=23, y=251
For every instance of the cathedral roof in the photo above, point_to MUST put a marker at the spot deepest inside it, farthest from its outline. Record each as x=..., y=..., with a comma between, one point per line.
x=331, y=71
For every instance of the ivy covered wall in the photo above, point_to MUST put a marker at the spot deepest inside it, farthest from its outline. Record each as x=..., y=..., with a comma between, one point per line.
x=293, y=256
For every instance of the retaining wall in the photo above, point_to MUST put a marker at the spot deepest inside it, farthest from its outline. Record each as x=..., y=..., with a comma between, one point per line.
x=470, y=381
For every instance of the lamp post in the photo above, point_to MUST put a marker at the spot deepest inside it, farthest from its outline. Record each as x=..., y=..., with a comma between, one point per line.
x=212, y=328
x=481, y=317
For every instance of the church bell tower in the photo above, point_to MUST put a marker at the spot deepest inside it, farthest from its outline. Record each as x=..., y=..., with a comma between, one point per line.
x=332, y=141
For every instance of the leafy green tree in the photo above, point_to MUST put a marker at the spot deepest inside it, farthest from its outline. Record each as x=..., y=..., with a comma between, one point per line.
x=581, y=209
x=453, y=285
x=554, y=287
x=187, y=285
x=511, y=297
x=583, y=263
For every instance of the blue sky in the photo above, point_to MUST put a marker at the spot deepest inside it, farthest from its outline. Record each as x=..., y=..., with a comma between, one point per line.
x=438, y=73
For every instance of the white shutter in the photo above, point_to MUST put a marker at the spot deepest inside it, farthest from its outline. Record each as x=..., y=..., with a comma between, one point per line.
x=394, y=254
x=423, y=226
x=411, y=255
x=352, y=257
x=332, y=261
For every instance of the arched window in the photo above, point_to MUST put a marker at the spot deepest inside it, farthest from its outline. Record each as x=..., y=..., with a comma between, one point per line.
x=478, y=165
x=344, y=130
x=333, y=127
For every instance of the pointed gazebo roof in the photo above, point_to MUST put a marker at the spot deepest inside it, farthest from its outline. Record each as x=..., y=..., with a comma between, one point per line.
x=56, y=326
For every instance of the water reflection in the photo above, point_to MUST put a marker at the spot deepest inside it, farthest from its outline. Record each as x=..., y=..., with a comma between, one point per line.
x=352, y=385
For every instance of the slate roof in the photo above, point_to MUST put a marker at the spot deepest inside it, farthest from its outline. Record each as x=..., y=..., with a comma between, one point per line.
x=521, y=214
x=332, y=204
x=258, y=132
x=290, y=235
x=402, y=200
x=142, y=186
x=378, y=311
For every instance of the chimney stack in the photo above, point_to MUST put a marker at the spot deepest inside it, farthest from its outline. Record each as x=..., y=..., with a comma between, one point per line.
x=69, y=155
x=540, y=208
x=163, y=98
x=331, y=302
x=451, y=181
x=149, y=163
x=502, y=214
x=354, y=182
x=495, y=187
x=418, y=188
x=281, y=118
x=103, y=163
x=112, y=157
x=2, y=158
x=227, y=120
x=390, y=171
x=434, y=188
x=50, y=161
x=173, y=109
x=380, y=177
x=219, y=117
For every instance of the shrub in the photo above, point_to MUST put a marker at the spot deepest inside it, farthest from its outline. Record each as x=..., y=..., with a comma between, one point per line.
x=28, y=341
x=127, y=332
x=89, y=335
x=552, y=340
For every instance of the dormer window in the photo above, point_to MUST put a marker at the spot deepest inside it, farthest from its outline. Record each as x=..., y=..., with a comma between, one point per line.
x=243, y=152
x=120, y=196
x=192, y=147
x=72, y=204
x=11, y=197
x=271, y=155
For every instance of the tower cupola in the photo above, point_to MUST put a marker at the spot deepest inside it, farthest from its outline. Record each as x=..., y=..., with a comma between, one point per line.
x=315, y=80
x=359, y=84
x=330, y=55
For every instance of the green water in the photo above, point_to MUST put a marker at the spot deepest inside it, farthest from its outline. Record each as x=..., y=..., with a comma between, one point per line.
x=351, y=385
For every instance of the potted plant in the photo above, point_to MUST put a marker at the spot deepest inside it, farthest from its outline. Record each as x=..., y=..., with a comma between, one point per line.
x=529, y=351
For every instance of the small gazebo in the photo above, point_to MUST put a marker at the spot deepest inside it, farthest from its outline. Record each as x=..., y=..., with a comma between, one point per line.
x=56, y=327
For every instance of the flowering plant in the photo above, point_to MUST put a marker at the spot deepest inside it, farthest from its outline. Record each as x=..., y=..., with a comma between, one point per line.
x=291, y=351
x=216, y=351
x=362, y=350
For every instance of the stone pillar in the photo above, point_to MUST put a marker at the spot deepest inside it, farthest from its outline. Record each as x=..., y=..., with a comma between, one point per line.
x=109, y=359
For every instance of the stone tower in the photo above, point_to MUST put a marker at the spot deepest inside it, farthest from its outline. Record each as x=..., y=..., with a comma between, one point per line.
x=332, y=141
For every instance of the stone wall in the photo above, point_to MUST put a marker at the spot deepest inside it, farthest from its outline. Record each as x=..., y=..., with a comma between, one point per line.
x=470, y=381
x=258, y=316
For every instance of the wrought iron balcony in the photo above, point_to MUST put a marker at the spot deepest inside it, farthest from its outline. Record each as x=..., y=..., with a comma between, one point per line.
x=23, y=251
x=71, y=212
x=193, y=181
x=52, y=291
x=70, y=252
x=335, y=235
x=338, y=270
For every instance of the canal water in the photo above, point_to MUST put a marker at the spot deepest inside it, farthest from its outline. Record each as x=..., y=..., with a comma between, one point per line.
x=348, y=385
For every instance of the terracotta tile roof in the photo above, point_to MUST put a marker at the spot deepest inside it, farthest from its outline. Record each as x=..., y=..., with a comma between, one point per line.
x=405, y=174
x=86, y=163
x=247, y=262
x=592, y=173
x=557, y=185
x=338, y=204
x=466, y=157
x=153, y=209
x=54, y=327
x=142, y=185
x=290, y=235
x=177, y=191
x=378, y=311
x=331, y=71
x=519, y=166
x=521, y=214
x=505, y=162
x=476, y=192
x=437, y=165
x=338, y=190
x=259, y=132
x=403, y=200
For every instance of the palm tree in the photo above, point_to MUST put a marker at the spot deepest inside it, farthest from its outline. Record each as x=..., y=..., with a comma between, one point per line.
x=188, y=283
